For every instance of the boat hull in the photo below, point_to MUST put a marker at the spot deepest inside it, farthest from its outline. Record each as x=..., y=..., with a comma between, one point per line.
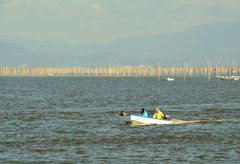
x=228, y=78
x=168, y=79
x=143, y=120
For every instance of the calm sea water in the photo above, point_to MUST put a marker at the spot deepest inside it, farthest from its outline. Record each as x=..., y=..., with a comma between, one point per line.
x=75, y=120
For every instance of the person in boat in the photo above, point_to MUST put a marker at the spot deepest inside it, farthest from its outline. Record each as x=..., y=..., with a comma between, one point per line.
x=143, y=113
x=122, y=113
x=159, y=114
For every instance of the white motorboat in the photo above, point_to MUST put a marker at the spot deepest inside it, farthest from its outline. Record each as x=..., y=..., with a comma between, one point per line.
x=168, y=79
x=143, y=120
x=228, y=78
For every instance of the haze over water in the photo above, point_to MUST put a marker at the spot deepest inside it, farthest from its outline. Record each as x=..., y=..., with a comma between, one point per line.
x=75, y=120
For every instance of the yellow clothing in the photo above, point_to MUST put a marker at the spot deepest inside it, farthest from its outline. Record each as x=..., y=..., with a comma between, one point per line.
x=158, y=115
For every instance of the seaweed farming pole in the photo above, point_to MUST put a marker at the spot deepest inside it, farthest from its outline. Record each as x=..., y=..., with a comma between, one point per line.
x=190, y=70
x=226, y=70
x=209, y=70
x=236, y=69
x=218, y=70
x=184, y=71
x=158, y=72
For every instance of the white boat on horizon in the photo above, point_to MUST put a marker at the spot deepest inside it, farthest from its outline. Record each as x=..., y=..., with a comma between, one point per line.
x=228, y=77
x=168, y=79
x=143, y=120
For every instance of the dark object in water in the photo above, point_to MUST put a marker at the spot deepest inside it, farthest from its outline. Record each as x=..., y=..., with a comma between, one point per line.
x=122, y=113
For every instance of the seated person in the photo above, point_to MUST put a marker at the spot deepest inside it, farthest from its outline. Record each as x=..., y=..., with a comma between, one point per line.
x=158, y=114
x=143, y=113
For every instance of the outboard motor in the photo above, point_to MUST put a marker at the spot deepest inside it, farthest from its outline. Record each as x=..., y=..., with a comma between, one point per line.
x=122, y=113
x=166, y=117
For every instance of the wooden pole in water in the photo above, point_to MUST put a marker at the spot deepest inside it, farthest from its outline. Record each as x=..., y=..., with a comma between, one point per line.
x=209, y=70
x=190, y=70
x=235, y=68
x=158, y=72
x=216, y=70
x=226, y=70
x=184, y=71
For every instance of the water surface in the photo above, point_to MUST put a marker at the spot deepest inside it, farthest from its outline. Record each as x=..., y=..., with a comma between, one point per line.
x=75, y=120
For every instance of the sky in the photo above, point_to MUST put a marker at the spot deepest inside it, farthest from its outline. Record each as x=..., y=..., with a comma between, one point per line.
x=104, y=21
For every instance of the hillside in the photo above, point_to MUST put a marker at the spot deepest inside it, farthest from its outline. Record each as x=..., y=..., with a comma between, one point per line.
x=215, y=42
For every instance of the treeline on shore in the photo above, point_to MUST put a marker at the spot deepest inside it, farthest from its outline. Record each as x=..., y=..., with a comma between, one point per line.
x=122, y=71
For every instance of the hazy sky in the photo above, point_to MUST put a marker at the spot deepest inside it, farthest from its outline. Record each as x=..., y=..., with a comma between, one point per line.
x=84, y=21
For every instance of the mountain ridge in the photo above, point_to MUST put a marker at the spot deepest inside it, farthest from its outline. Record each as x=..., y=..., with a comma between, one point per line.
x=215, y=42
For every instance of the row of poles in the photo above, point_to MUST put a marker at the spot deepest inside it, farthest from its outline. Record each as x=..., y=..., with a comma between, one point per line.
x=187, y=70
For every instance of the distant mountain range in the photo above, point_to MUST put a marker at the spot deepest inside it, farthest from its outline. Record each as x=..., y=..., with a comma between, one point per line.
x=213, y=42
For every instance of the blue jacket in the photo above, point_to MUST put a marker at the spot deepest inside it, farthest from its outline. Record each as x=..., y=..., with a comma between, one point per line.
x=144, y=114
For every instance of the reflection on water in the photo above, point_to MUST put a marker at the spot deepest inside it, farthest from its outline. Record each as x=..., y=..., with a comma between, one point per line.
x=75, y=120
